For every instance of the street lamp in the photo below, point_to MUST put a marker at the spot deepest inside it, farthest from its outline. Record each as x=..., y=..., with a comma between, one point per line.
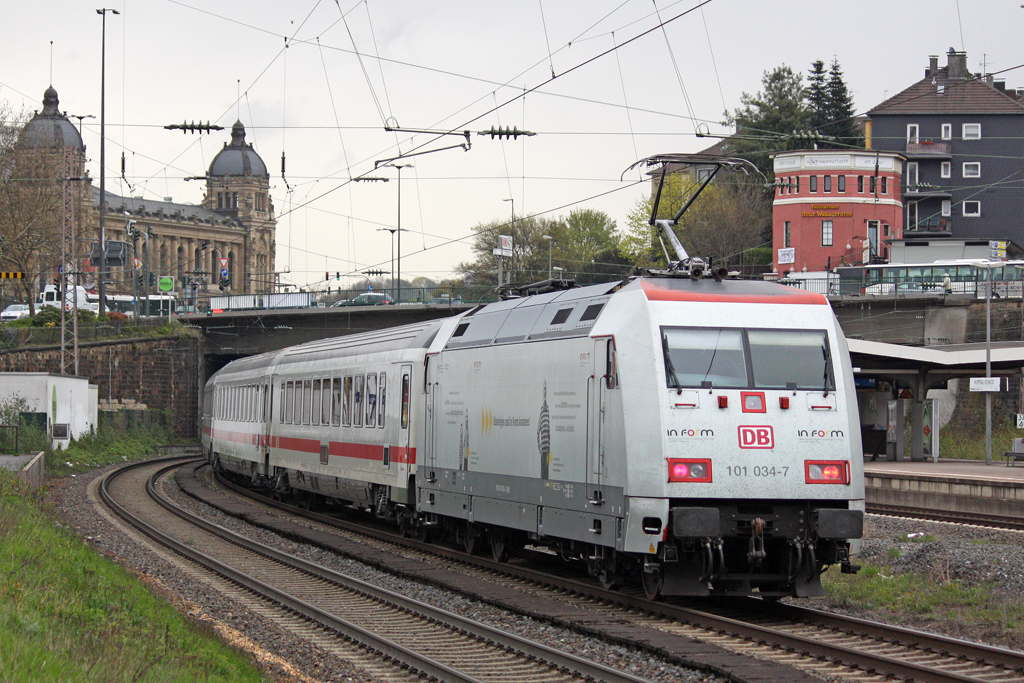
x=392, y=231
x=550, y=241
x=103, y=156
x=398, y=297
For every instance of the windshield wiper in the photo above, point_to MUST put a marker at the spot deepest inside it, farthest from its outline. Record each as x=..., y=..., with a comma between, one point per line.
x=828, y=366
x=668, y=364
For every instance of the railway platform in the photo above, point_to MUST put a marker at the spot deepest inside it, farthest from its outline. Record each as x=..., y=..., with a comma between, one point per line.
x=957, y=486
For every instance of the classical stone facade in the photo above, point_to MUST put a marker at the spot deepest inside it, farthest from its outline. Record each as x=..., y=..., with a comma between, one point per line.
x=235, y=219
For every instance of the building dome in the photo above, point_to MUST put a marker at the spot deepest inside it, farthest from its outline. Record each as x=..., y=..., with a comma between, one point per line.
x=238, y=158
x=49, y=128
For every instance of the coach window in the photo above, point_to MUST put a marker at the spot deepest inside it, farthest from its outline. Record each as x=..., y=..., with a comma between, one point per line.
x=336, y=402
x=405, y=400
x=289, y=412
x=307, y=391
x=346, y=402
x=297, y=406
x=357, y=403
x=325, y=405
x=383, y=401
x=316, y=402
x=371, y=400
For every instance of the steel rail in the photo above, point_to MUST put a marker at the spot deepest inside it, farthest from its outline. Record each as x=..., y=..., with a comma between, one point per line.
x=531, y=649
x=848, y=656
x=954, y=516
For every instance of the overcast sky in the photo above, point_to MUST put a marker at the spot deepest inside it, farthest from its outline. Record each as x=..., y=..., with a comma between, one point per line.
x=316, y=81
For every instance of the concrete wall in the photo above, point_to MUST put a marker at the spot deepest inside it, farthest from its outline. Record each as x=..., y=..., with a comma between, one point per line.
x=162, y=373
x=63, y=399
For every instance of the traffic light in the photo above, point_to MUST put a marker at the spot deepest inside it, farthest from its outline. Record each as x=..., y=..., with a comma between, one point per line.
x=152, y=279
x=223, y=284
x=203, y=244
x=56, y=283
x=337, y=275
x=327, y=276
x=139, y=282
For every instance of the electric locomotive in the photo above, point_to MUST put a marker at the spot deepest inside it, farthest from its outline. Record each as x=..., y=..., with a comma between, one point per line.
x=696, y=434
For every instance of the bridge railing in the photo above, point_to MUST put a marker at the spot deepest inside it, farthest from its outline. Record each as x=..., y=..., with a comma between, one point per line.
x=832, y=285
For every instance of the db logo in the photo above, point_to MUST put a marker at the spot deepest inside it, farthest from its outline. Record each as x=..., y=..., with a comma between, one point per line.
x=757, y=437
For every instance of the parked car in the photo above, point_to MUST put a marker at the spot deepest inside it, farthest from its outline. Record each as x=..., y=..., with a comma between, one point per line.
x=14, y=312
x=366, y=299
x=445, y=300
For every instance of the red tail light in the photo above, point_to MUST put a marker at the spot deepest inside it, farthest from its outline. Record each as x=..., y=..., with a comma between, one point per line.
x=689, y=470
x=827, y=471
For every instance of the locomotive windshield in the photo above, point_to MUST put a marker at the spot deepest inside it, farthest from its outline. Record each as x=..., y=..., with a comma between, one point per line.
x=744, y=359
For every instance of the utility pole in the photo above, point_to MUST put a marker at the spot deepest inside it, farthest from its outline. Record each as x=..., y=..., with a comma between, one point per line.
x=103, y=159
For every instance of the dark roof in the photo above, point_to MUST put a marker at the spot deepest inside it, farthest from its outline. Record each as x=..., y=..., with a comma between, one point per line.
x=138, y=205
x=50, y=128
x=940, y=94
x=237, y=157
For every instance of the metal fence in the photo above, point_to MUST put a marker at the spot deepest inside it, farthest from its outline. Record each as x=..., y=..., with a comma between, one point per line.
x=897, y=287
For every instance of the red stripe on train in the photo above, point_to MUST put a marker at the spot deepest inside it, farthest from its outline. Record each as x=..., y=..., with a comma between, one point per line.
x=343, y=449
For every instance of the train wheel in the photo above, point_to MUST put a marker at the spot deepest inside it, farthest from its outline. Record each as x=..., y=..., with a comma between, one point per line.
x=653, y=583
x=499, y=548
x=471, y=538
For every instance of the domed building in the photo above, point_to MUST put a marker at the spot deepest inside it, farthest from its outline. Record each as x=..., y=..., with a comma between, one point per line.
x=235, y=221
x=49, y=129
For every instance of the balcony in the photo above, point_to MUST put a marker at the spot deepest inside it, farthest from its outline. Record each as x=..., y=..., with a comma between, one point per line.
x=929, y=149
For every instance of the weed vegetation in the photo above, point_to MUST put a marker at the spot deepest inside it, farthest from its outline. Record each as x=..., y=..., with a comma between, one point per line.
x=69, y=614
x=109, y=445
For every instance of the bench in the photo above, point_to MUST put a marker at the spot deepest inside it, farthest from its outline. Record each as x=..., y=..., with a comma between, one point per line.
x=1016, y=455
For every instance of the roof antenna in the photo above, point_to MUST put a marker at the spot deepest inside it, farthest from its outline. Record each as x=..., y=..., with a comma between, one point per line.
x=51, y=63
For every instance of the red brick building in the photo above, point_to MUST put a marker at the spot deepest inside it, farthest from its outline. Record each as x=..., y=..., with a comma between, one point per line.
x=835, y=207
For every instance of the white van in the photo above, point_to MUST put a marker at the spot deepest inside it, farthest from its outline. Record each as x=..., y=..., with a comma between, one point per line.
x=51, y=297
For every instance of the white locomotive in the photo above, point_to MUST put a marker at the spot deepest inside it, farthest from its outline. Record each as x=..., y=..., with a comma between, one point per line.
x=695, y=434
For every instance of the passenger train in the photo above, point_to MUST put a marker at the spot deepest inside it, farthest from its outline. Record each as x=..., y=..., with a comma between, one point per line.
x=693, y=434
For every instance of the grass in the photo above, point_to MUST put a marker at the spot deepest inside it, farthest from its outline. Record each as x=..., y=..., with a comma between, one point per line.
x=69, y=614
x=105, y=447
x=932, y=600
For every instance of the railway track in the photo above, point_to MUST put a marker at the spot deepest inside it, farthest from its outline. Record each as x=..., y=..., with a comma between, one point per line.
x=392, y=635
x=822, y=644
x=954, y=516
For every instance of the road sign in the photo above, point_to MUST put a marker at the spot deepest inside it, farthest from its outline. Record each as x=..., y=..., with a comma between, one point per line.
x=137, y=262
x=165, y=283
x=223, y=272
x=504, y=253
x=505, y=242
x=986, y=383
x=1020, y=420
x=223, y=263
x=11, y=276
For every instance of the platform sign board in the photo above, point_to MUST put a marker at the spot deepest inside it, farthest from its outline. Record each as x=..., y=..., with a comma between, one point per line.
x=986, y=383
x=504, y=253
x=1020, y=420
x=787, y=255
x=998, y=248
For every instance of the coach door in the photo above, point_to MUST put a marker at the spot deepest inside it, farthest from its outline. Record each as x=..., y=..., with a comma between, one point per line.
x=405, y=413
x=266, y=407
x=603, y=380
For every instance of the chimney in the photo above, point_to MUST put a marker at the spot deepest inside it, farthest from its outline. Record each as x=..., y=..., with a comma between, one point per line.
x=957, y=64
x=1000, y=86
x=933, y=66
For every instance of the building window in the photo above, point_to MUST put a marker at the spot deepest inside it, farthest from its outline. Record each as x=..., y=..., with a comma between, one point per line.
x=885, y=185
x=220, y=200
x=946, y=170
x=814, y=183
x=972, y=169
x=874, y=185
x=911, y=176
x=797, y=188
x=234, y=203
x=786, y=235
x=826, y=183
x=913, y=131
x=971, y=131
x=972, y=208
x=841, y=184
x=947, y=207
x=947, y=131
x=860, y=183
x=826, y=233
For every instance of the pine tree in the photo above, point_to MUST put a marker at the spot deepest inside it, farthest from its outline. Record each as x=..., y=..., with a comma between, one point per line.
x=817, y=96
x=840, y=110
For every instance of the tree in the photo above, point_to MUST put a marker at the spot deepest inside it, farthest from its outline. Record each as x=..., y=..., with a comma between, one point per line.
x=767, y=117
x=840, y=110
x=576, y=245
x=817, y=95
x=30, y=206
